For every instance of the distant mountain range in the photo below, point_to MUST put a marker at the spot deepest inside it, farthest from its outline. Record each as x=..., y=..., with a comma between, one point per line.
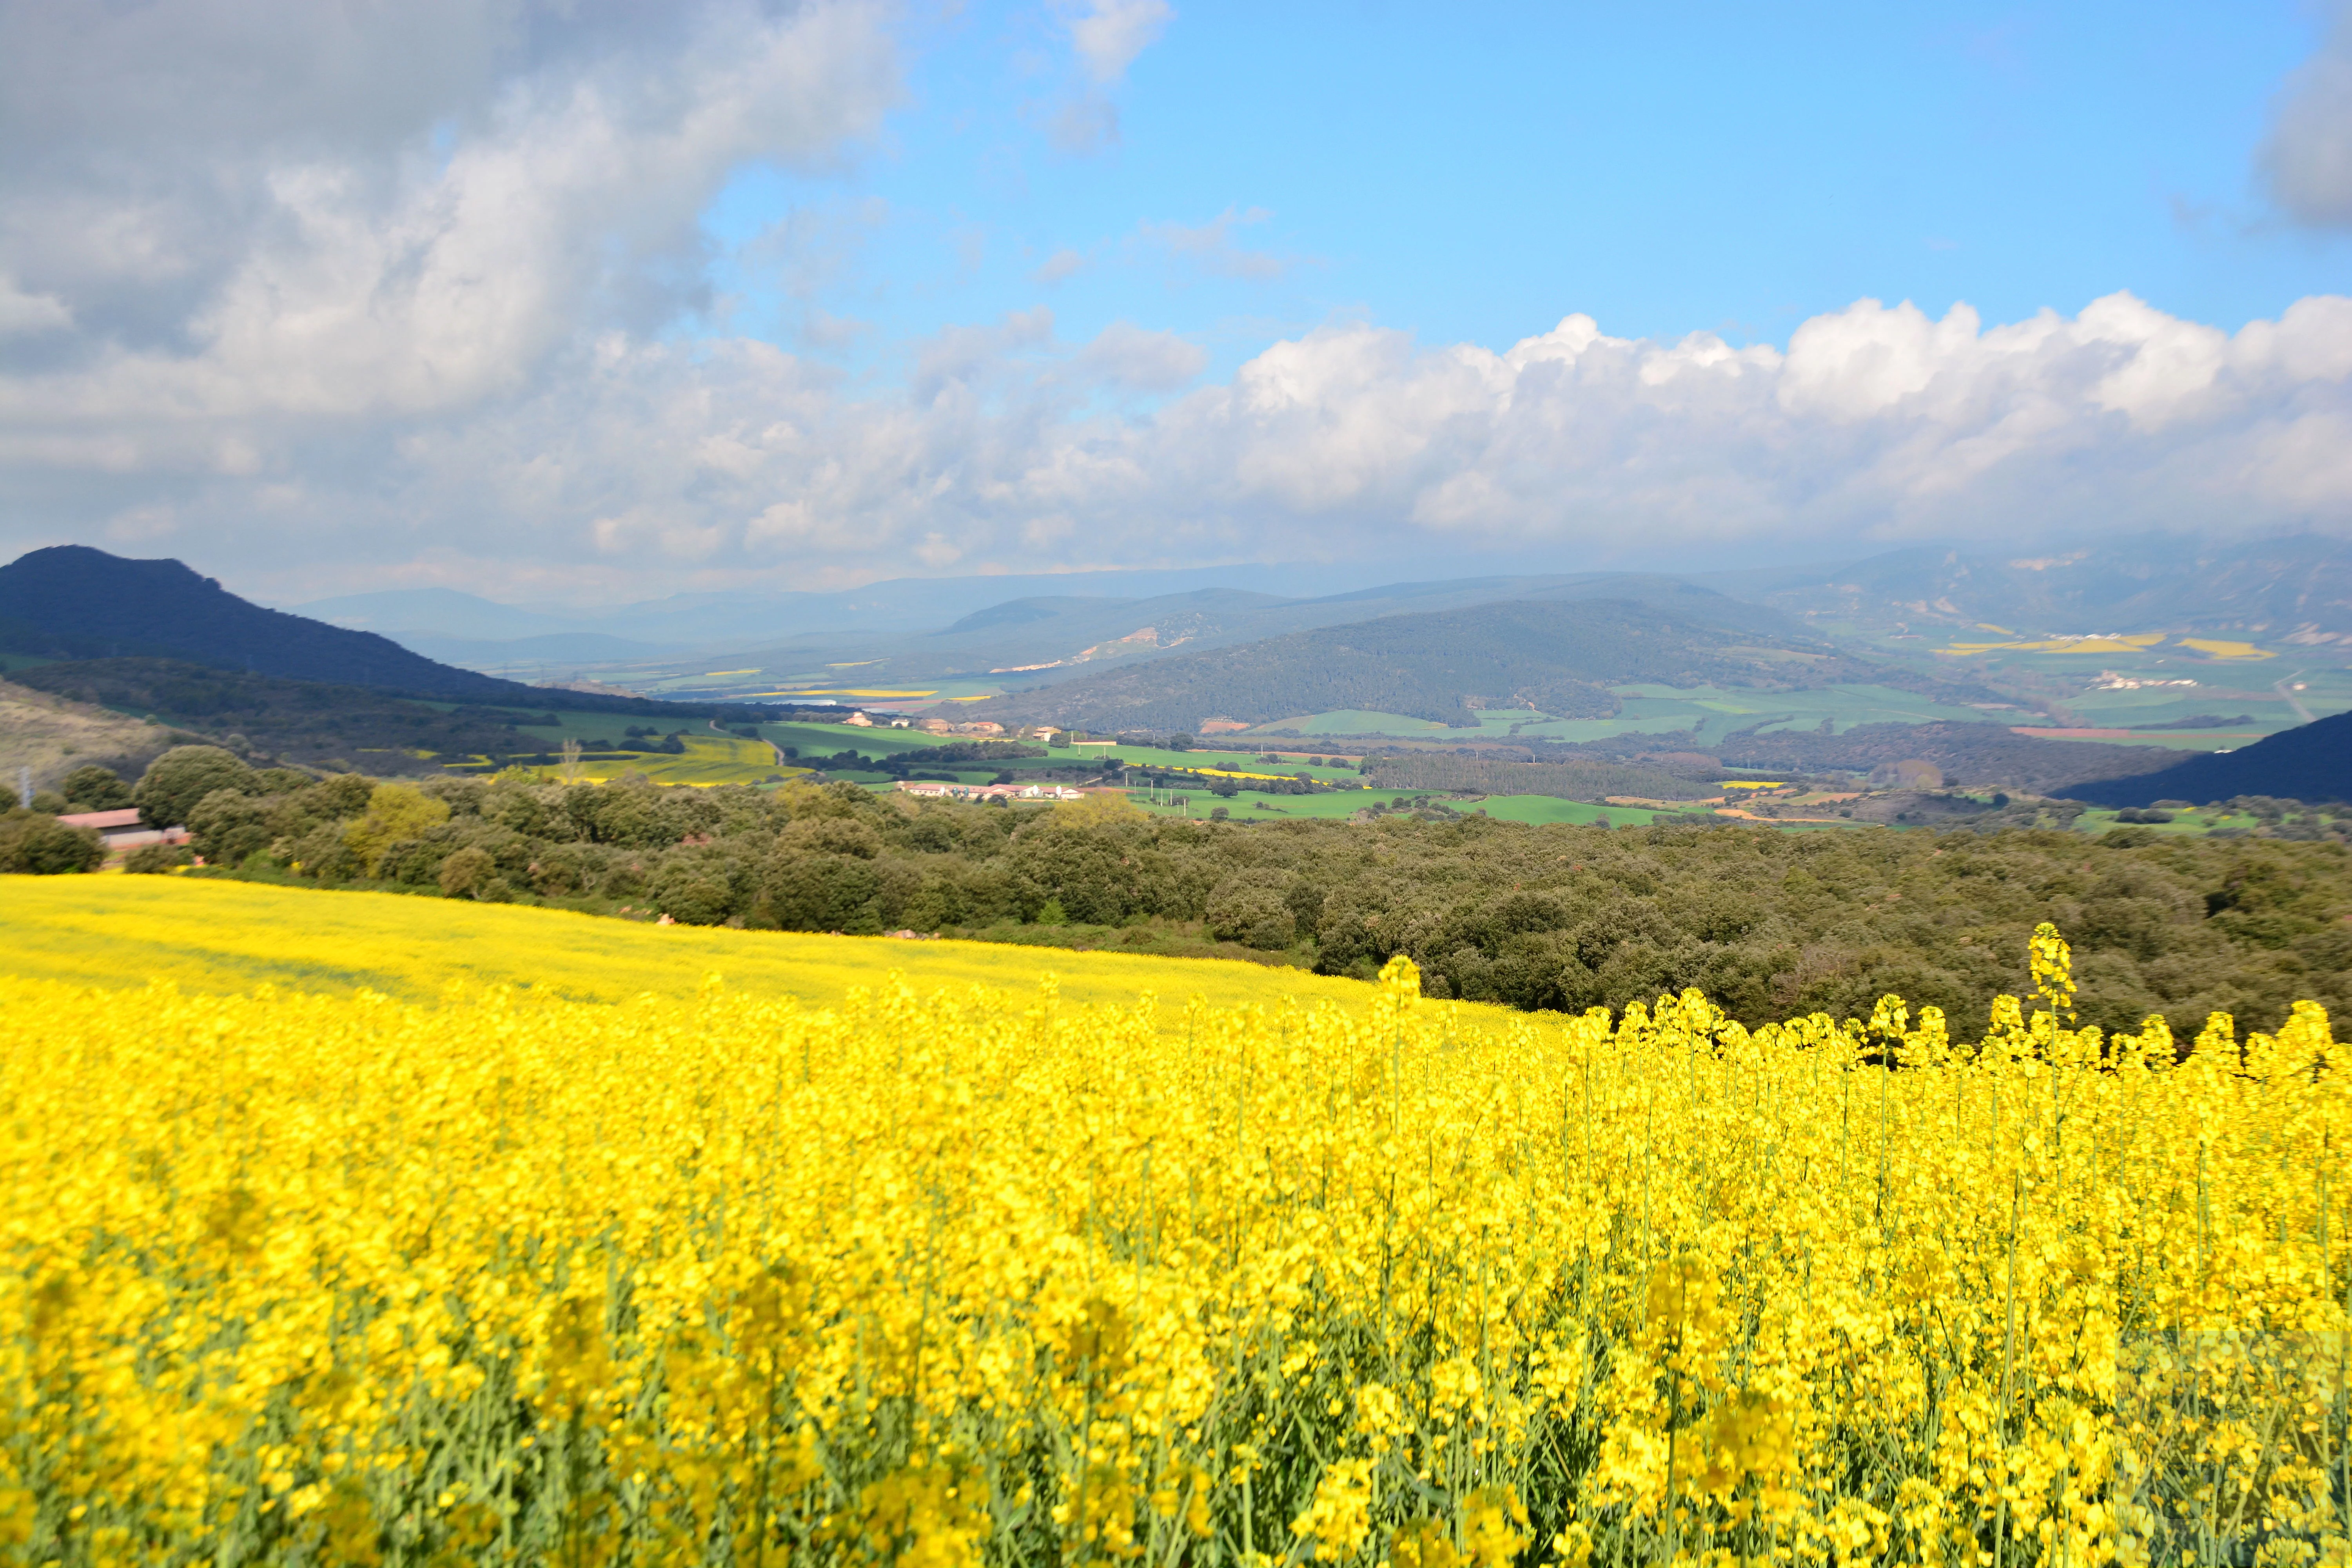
x=1557, y=655
x=898, y=606
x=2295, y=590
x=1051, y=627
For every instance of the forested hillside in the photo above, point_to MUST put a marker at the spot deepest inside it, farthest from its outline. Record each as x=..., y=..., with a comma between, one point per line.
x=73, y=602
x=2312, y=762
x=1768, y=924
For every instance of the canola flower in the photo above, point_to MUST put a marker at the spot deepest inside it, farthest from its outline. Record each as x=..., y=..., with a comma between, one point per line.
x=982, y=1279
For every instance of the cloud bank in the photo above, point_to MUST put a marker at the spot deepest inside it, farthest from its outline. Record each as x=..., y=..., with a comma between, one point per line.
x=431, y=315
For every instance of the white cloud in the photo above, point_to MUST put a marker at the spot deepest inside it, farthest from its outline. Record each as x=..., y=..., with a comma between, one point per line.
x=1109, y=33
x=637, y=463
x=438, y=201
x=2307, y=158
x=1128, y=355
x=28, y=313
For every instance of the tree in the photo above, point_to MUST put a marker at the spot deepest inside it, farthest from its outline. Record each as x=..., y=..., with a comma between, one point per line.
x=394, y=812
x=92, y=788
x=177, y=781
x=227, y=826
x=1253, y=908
x=36, y=845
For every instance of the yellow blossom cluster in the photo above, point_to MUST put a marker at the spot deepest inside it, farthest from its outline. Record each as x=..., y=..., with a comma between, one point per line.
x=979, y=1279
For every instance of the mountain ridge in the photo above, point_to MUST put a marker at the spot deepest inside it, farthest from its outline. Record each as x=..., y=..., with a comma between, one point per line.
x=73, y=601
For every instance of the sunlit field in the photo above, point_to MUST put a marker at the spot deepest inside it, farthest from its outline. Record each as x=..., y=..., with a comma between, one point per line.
x=941, y=1274
x=223, y=936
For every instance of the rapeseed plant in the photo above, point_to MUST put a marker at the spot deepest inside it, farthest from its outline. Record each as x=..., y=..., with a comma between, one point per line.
x=979, y=1279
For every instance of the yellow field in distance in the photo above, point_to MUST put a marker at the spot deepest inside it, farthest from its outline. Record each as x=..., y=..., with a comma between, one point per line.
x=706, y=760
x=2222, y=649
x=228, y=937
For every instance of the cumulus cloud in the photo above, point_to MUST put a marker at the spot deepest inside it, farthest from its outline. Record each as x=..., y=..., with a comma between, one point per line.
x=2307, y=157
x=645, y=461
x=264, y=213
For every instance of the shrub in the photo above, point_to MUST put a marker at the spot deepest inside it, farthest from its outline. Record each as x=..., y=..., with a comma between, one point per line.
x=35, y=844
x=467, y=872
x=153, y=860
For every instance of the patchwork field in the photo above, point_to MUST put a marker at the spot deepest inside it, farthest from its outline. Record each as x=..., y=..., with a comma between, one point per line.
x=1655, y=709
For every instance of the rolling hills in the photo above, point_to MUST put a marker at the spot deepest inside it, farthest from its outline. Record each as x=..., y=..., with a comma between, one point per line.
x=1557, y=655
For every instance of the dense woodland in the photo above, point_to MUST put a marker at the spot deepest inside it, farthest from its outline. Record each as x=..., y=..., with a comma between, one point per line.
x=1771, y=923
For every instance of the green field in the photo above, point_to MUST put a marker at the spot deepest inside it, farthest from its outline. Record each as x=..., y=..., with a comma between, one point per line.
x=1232, y=760
x=1655, y=709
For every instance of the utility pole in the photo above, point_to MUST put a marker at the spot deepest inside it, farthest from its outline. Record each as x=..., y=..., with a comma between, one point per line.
x=25, y=788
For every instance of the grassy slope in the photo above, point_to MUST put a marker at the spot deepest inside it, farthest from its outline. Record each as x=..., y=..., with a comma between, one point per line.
x=117, y=931
x=52, y=736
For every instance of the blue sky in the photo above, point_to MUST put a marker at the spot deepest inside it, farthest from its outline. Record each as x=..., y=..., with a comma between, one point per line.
x=1473, y=173
x=591, y=299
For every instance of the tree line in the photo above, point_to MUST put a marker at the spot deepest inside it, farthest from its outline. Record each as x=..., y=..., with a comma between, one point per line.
x=1771, y=924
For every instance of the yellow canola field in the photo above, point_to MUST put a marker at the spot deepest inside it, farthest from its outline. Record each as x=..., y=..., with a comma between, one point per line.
x=977, y=1276
x=232, y=936
x=2135, y=643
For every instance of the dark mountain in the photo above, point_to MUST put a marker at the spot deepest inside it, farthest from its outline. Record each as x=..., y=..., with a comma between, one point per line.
x=2310, y=763
x=73, y=602
x=1559, y=657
